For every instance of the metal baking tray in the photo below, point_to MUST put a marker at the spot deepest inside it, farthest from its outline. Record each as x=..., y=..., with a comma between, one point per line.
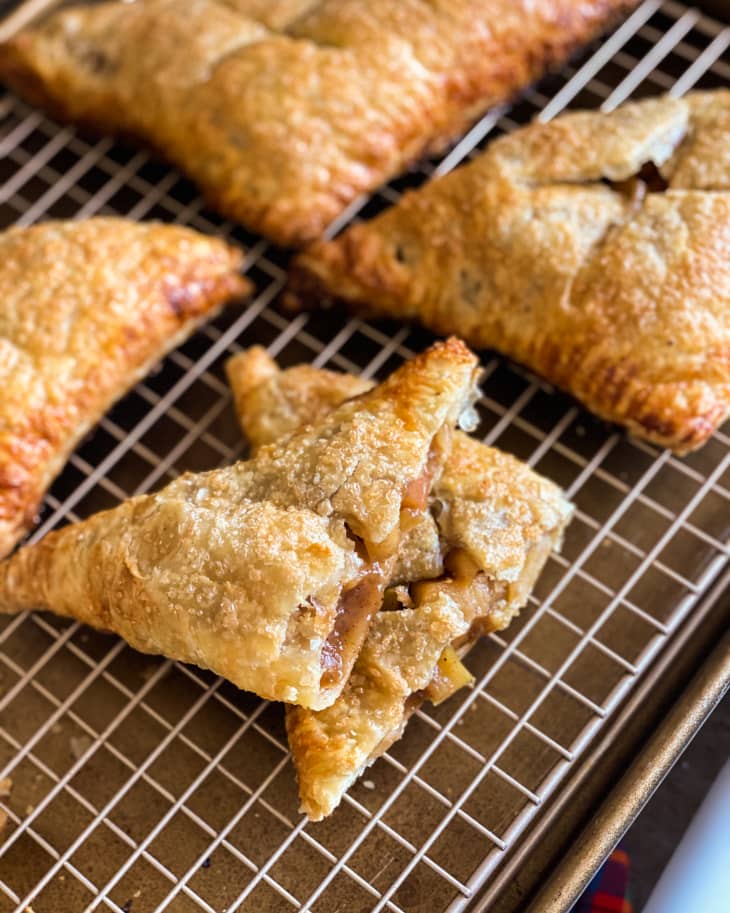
x=143, y=785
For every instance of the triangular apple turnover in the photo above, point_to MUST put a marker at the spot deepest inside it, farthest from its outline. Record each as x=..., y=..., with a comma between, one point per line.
x=268, y=571
x=593, y=249
x=86, y=309
x=465, y=567
x=284, y=111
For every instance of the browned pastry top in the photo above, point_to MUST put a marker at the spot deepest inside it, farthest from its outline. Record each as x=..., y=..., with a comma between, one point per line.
x=86, y=308
x=285, y=112
x=249, y=569
x=595, y=249
x=489, y=526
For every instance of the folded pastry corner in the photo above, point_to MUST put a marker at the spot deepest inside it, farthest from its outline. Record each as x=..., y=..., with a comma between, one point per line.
x=271, y=403
x=592, y=248
x=284, y=112
x=331, y=748
x=268, y=571
x=86, y=309
x=465, y=567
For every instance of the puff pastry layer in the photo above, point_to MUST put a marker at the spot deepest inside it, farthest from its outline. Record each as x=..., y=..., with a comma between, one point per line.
x=594, y=249
x=86, y=309
x=464, y=569
x=285, y=112
x=266, y=572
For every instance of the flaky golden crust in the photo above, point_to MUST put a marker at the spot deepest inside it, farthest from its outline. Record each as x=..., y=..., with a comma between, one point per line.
x=488, y=503
x=331, y=748
x=497, y=510
x=501, y=517
x=245, y=570
x=271, y=404
x=86, y=308
x=398, y=661
x=549, y=249
x=274, y=14
x=285, y=112
x=358, y=454
x=702, y=162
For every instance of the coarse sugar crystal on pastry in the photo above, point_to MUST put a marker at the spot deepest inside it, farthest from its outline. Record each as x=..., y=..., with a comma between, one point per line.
x=465, y=567
x=268, y=571
x=285, y=111
x=86, y=309
x=592, y=248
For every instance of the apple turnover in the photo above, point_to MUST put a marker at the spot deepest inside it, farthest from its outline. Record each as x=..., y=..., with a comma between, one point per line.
x=86, y=309
x=284, y=112
x=268, y=572
x=593, y=249
x=465, y=567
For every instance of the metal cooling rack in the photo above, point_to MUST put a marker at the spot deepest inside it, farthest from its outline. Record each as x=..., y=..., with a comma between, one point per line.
x=143, y=785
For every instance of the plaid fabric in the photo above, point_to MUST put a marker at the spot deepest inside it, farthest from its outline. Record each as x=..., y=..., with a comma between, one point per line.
x=608, y=892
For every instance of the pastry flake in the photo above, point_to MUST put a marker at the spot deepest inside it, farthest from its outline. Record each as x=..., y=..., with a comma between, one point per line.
x=592, y=248
x=285, y=112
x=86, y=309
x=267, y=571
x=464, y=568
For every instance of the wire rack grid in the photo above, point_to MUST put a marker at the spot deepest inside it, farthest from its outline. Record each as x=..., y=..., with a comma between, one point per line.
x=139, y=784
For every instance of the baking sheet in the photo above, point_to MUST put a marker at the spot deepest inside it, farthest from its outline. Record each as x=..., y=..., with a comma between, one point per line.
x=142, y=785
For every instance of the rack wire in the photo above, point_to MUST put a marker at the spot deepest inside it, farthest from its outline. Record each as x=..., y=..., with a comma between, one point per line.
x=139, y=784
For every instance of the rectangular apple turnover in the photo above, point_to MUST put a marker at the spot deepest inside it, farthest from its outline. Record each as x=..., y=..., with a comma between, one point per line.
x=269, y=571
x=86, y=309
x=465, y=566
x=284, y=112
x=595, y=249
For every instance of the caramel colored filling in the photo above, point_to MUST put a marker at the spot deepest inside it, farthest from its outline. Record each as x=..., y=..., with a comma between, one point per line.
x=449, y=675
x=414, y=500
x=415, y=495
x=381, y=551
x=648, y=180
x=357, y=605
x=479, y=597
x=634, y=189
x=463, y=579
x=461, y=566
x=417, y=491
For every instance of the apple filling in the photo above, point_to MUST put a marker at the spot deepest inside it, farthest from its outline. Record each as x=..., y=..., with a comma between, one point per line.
x=417, y=491
x=449, y=675
x=480, y=599
x=359, y=602
x=357, y=605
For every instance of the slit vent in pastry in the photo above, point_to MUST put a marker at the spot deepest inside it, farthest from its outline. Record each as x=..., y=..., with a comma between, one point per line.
x=284, y=112
x=86, y=309
x=243, y=570
x=464, y=568
x=593, y=249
